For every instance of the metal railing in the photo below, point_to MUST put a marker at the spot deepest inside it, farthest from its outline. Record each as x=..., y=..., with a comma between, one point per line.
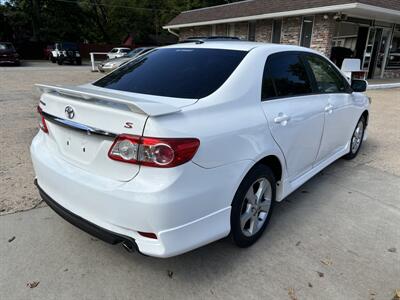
x=92, y=61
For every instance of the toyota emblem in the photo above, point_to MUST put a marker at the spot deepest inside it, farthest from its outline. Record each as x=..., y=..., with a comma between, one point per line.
x=69, y=112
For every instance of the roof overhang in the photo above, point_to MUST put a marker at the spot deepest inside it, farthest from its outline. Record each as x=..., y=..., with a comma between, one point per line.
x=354, y=9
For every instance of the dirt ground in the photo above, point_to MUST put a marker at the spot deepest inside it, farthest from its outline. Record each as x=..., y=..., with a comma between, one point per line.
x=19, y=123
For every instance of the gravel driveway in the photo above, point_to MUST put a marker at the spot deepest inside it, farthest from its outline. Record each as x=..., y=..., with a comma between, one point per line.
x=19, y=123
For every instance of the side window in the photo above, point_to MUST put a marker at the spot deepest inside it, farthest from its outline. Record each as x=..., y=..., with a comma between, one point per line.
x=326, y=77
x=276, y=31
x=285, y=75
x=268, y=90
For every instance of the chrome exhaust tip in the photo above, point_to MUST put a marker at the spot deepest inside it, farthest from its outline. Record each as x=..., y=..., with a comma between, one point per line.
x=128, y=246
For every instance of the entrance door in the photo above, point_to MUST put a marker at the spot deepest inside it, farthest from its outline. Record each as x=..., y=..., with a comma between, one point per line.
x=376, y=51
x=381, y=52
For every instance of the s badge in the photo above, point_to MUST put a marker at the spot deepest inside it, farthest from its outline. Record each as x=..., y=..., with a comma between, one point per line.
x=128, y=125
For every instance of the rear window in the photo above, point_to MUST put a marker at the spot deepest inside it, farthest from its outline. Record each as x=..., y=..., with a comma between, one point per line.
x=69, y=46
x=6, y=46
x=175, y=72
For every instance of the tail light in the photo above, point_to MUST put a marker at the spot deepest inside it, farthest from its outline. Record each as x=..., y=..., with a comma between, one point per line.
x=42, y=124
x=153, y=152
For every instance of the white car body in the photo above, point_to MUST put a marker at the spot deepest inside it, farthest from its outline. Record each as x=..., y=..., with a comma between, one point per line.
x=189, y=205
x=117, y=52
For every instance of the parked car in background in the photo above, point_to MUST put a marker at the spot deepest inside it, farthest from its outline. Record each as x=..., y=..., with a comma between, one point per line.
x=112, y=64
x=66, y=52
x=189, y=143
x=8, y=54
x=47, y=51
x=118, y=52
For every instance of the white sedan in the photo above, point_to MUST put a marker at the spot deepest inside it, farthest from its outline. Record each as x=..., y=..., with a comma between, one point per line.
x=118, y=52
x=193, y=142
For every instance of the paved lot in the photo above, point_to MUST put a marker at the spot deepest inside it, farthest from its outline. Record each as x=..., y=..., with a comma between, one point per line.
x=337, y=237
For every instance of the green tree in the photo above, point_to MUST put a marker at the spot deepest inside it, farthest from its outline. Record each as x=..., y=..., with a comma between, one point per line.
x=99, y=21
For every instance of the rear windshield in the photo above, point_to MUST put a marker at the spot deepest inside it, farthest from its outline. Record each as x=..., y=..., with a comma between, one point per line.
x=6, y=46
x=175, y=72
x=69, y=46
x=134, y=52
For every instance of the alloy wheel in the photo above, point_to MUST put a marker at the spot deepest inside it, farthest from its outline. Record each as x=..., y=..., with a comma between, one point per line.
x=357, y=137
x=255, y=207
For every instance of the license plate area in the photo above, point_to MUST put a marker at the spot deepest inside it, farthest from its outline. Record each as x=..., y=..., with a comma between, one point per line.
x=77, y=145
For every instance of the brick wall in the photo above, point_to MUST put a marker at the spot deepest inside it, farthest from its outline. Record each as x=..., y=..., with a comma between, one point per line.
x=291, y=28
x=321, y=40
x=187, y=32
x=264, y=31
x=220, y=29
x=322, y=34
x=242, y=30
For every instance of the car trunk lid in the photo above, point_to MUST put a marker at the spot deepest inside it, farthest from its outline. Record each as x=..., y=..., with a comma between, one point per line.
x=83, y=123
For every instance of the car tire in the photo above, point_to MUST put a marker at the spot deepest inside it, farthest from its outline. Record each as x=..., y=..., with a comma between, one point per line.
x=79, y=62
x=252, y=206
x=356, y=139
x=53, y=59
x=59, y=61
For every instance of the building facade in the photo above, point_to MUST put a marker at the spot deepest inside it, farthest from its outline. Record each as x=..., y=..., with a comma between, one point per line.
x=364, y=29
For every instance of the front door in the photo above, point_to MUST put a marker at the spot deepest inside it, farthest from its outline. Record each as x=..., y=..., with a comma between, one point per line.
x=338, y=110
x=295, y=116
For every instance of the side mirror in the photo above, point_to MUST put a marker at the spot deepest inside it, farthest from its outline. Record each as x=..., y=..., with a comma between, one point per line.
x=359, y=85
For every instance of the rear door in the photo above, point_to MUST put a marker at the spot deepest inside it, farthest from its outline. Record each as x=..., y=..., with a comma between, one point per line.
x=338, y=110
x=295, y=115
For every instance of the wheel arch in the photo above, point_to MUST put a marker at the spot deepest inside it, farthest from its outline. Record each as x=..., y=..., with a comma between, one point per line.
x=365, y=114
x=274, y=163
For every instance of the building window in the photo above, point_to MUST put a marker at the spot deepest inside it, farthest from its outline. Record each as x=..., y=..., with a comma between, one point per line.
x=276, y=31
x=306, y=31
x=393, y=60
x=252, y=31
x=230, y=29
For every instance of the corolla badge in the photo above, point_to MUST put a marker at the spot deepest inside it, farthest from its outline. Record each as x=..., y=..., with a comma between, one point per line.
x=69, y=112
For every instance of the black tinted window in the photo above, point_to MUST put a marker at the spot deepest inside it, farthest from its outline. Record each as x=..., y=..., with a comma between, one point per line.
x=326, y=77
x=286, y=73
x=268, y=90
x=175, y=72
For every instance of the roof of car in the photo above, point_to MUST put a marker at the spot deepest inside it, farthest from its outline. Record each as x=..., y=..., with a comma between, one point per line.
x=235, y=45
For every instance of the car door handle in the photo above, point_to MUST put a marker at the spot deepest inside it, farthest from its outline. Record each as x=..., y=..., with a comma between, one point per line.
x=282, y=119
x=329, y=108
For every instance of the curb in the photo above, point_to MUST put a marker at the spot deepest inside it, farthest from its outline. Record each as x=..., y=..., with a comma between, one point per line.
x=383, y=86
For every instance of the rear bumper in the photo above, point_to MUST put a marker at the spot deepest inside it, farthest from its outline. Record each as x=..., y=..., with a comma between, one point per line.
x=94, y=230
x=9, y=60
x=186, y=207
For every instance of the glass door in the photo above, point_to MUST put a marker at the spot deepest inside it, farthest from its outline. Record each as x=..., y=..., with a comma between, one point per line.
x=368, y=49
x=376, y=51
x=382, y=51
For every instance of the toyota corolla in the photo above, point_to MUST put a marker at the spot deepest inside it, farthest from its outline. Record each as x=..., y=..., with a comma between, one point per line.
x=194, y=142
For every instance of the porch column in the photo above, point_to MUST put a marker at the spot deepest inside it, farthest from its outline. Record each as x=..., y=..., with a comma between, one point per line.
x=322, y=33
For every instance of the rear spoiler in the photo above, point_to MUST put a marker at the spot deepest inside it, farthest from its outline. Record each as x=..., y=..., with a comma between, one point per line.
x=135, y=103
